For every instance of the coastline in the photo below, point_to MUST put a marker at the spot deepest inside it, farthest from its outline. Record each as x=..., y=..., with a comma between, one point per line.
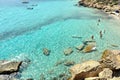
x=111, y=10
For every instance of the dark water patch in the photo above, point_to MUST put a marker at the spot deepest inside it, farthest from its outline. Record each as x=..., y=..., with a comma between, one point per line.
x=16, y=32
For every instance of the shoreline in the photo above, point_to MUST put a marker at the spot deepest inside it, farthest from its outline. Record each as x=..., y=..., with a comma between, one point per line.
x=113, y=11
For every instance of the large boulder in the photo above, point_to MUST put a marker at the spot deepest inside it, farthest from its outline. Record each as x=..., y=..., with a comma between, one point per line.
x=111, y=59
x=7, y=67
x=68, y=51
x=87, y=69
x=106, y=73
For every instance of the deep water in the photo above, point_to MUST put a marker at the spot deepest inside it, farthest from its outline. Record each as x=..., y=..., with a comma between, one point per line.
x=51, y=24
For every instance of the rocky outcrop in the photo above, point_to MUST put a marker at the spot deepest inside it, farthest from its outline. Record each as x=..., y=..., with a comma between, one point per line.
x=7, y=67
x=105, y=5
x=106, y=73
x=111, y=59
x=108, y=68
x=68, y=51
x=85, y=70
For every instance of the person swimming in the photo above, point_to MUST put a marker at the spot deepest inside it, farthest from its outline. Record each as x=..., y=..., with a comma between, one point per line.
x=101, y=35
x=92, y=37
x=98, y=21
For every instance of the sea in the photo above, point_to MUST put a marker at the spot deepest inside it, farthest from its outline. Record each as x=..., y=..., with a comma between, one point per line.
x=27, y=28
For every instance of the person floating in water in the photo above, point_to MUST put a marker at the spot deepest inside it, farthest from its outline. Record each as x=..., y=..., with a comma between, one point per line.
x=101, y=35
x=92, y=37
x=98, y=21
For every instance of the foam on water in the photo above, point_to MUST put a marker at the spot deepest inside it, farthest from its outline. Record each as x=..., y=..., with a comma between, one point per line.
x=51, y=24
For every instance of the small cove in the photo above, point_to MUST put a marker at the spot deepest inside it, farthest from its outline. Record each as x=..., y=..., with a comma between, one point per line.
x=51, y=24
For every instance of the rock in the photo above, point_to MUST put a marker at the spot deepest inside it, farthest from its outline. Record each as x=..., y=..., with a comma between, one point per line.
x=114, y=45
x=89, y=48
x=80, y=47
x=7, y=67
x=111, y=59
x=69, y=63
x=86, y=42
x=62, y=75
x=4, y=77
x=59, y=63
x=54, y=78
x=42, y=77
x=95, y=78
x=87, y=69
x=68, y=51
x=46, y=51
x=30, y=79
x=106, y=73
x=115, y=78
x=30, y=8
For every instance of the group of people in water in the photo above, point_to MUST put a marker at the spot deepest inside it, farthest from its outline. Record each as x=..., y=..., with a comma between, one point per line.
x=100, y=33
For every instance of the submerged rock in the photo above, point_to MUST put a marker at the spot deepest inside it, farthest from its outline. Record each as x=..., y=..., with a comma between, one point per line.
x=87, y=69
x=111, y=59
x=7, y=67
x=46, y=51
x=30, y=79
x=68, y=51
x=42, y=77
x=80, y=47
x=89, y=48
x=59, y=63
x=69, y=63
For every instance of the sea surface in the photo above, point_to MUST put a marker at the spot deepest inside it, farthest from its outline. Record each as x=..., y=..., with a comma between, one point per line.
x=51, y=24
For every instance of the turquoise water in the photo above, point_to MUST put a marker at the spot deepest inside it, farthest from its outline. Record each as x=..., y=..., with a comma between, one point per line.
x=51, y=24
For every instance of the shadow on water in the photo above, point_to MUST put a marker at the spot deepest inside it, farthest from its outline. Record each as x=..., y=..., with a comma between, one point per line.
x=21, y=31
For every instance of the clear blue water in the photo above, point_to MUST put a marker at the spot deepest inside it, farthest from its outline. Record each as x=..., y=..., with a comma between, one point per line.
x=51, y=24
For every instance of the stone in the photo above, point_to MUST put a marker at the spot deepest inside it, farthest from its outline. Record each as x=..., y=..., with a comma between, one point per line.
x=111, y=59
x=46, y=51
x=4, y=77
x=68, y=51
x=30, y=79
x=95, y=78
x=42, y=77
x=89, y=48
x=69, y=63
x=62, y=75
x=115, y=78
x=87, y=69
x=7, y=67
x=80, y=47
x=59, y=63
x=106, y=73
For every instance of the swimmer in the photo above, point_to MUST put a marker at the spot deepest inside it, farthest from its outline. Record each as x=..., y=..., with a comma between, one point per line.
x=92, y=37
x=101, y=36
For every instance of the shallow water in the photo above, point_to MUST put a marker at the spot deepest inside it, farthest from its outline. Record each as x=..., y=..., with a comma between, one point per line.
x=51, y=24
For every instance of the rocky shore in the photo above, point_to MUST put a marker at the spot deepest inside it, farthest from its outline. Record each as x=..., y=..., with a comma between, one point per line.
x=107, y=68
x=109, y=6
